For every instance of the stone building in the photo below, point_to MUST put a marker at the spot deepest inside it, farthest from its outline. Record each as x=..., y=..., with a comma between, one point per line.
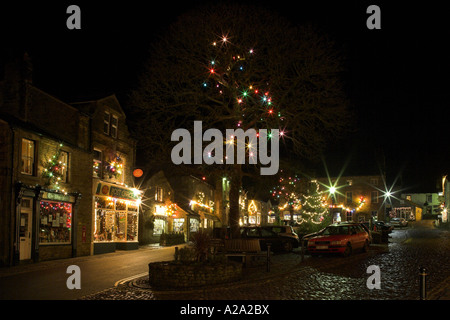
x=159, y=213
x=45, y=185
x=355, y=198
x=116, y=201
x=194, y=199
x=66, y=186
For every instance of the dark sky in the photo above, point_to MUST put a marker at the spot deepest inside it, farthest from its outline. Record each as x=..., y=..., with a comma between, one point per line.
x=397, y=76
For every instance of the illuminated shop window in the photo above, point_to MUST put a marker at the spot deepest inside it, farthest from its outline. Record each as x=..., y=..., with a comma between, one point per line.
x=116, y=220
x=55, y=222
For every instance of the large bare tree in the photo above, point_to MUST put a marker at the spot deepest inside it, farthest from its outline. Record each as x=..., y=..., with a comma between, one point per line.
x=240, y=66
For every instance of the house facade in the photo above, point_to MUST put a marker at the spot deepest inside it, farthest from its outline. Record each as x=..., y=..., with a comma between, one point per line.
x=115, y=201
x=66, y=187
x=355, y=198
x=45, y=186
x=428, y=203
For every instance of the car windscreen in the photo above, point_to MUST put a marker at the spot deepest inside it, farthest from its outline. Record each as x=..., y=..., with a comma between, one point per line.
x=335, y=230
x=275, y=229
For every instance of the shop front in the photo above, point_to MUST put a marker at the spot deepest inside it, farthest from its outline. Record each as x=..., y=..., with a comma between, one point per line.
x=115, y=217
x=44, y=224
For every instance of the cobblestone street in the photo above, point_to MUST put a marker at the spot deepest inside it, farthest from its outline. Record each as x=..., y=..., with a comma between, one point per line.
x=326, y=277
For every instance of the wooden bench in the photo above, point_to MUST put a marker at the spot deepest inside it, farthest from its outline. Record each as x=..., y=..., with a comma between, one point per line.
x=245, y=248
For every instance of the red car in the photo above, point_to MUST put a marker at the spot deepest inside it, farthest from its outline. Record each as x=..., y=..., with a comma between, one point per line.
x=339, y=238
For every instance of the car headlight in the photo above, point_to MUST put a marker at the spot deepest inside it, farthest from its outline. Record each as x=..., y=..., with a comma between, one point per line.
x=335, y=243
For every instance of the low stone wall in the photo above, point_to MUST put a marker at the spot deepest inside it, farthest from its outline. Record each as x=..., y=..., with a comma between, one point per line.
x=180, y=275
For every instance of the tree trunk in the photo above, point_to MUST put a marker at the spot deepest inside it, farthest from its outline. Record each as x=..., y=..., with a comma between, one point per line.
x=236, y=181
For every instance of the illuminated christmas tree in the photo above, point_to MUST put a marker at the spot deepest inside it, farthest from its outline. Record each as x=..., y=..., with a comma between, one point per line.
x=314, y=211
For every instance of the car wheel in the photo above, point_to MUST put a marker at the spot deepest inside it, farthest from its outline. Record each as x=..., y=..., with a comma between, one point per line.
x=288, y=246
x=348, y=250
x=366, y=246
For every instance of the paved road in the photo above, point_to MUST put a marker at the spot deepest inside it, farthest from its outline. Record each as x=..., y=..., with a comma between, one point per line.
x=328, y=277
x=47, y=280
x=321, y=278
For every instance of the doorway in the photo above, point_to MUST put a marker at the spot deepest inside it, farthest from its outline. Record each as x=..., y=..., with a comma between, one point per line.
x=25, y=228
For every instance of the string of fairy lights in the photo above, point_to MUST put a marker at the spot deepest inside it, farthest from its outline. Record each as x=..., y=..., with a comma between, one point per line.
x=310, y=206
x=228, y=76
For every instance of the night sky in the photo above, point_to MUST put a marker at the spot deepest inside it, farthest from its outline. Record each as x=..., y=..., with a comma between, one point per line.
x=397, y=77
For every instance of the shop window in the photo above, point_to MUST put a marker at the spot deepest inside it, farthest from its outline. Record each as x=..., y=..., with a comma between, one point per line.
x=114, y=125
x=132, y=221
x=115, y=220
x=27, y=165
x=374, y=197
x=159, y=226
x=194, y=225
x=97, y=165
x=178, y=225
x=55, y=222
x=106, y=122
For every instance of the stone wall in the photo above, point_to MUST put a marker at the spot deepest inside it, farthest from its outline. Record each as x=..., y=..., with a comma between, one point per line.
x=178, y=275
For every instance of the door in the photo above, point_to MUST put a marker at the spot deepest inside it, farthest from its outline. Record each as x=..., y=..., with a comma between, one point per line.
x=25, y=229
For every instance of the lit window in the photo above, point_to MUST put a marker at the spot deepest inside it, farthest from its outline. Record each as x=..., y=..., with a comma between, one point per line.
x=97, y=166
x=159, y=194
x=64, y=160
x=27, y=157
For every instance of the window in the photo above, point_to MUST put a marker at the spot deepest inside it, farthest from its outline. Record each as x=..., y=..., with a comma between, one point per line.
x=349, y=215
x=110, y=124
x=27, y=166
x=106, y=122
x=97, y=166
x=429, y=198
x=349, y=182
x=159, y=194
x=374, y=181
x=114, y=125
x=349, y=196
x=55, y=222
x=408, y=197
x=115, y=220
x=374, y=197
x=64, y=160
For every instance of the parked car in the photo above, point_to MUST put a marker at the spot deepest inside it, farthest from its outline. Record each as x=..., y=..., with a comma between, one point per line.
x=308, y=236
x=339, y=238
x=278, y=241
x=362, y=225
x=384, y=227
x=378, y=226
x=398, y=222
x=285, y=231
